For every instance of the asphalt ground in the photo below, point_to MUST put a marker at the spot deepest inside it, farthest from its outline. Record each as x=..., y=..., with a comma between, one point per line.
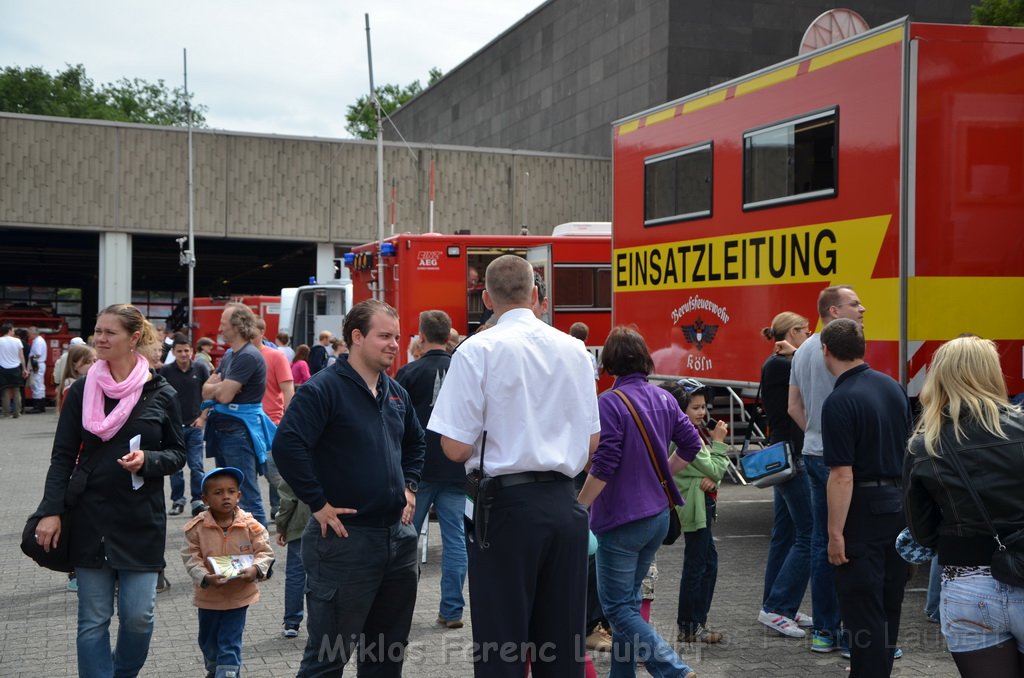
x=38, y=615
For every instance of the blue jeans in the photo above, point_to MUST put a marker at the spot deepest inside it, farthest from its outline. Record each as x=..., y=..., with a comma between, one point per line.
x=624, y=554
x=789, y=552
x=823, y=581
x=700, y=572
x=361, y=591
x=235, y=449
x=220, y=639
x=979, y=612
x=294, y=584
x=449, y=502
x=194, y=457
x=136, y=598
x=931, y=602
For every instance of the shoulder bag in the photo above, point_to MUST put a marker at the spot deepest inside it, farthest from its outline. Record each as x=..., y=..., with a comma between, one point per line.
x=1008, y=558
x=675, y=528
x=58, y=558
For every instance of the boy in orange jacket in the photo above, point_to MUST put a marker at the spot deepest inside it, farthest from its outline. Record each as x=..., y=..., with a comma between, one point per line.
x=224, y=530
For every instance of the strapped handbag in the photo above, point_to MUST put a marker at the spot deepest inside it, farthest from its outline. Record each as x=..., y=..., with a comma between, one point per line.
x=1008, y=558
x=770, y=466
x=675, y=528
x=58, y=558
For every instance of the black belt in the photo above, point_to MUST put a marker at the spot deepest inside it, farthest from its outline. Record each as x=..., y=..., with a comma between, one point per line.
x=513, y=479
x=878, y=482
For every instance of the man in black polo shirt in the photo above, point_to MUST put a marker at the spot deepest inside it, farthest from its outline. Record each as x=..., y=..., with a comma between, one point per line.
x=865, y=424
x=187, y=378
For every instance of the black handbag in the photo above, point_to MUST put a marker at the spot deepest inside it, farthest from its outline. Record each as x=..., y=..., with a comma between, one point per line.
x=58, y=558
x=675, y=527
x=1008, y=558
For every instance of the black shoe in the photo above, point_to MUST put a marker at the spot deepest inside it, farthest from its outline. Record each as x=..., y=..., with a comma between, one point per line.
x=162, y=584
x=198, y=508
x=176, y=508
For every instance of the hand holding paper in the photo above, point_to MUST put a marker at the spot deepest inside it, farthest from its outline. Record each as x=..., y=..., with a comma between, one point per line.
x=132, y=462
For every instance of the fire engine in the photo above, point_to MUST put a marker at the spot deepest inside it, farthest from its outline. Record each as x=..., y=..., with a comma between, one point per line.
x=50, y=326
x=446, y=272
x=892, y=161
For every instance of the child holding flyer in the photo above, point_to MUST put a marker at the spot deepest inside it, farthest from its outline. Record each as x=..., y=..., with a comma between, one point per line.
x=226, y=552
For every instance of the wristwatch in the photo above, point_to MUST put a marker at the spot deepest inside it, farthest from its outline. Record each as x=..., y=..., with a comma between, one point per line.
x=412, y=486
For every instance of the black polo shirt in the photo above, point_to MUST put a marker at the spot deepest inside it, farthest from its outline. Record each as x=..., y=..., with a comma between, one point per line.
x=865, y=423
x=189, y=385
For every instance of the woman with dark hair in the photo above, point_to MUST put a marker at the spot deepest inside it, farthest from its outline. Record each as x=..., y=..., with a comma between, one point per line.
x=970, y=433
x=117, y=526
x=787, y=569
x=300, y=366
x=629, y=507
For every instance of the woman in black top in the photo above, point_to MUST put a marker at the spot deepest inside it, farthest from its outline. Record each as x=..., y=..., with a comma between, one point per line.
x=116, y=526
x=966, y=417
x=787, y=569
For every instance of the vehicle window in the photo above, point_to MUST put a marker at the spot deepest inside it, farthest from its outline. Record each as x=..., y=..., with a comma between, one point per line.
x=791, y=161
x=583, y=288
x=677, y=185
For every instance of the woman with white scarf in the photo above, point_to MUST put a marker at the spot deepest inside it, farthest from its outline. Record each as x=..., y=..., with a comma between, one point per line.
x=118, y=435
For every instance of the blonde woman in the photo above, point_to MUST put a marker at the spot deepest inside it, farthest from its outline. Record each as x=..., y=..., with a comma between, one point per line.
x=79, y=359
x=965, y=414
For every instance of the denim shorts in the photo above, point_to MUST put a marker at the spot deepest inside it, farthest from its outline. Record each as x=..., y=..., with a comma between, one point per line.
x=979, y=612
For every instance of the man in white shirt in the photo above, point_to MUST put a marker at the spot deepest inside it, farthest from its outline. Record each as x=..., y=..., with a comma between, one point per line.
x=528, y=390
x=13, y=370
x=37, y=362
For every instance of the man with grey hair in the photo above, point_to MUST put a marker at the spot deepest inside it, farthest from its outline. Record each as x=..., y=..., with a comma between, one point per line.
x=865, y=424
x=240, y=435
x=518, y=407
x=810, y=383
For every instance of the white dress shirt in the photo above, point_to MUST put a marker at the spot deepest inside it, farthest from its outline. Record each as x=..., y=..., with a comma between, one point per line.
x=531, y=387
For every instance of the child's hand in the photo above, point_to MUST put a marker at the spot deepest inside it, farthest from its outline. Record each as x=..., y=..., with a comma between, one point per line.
x=719, y=432
x=215, y=579
x=282, y=539
x=250, y=574
x=707, y=485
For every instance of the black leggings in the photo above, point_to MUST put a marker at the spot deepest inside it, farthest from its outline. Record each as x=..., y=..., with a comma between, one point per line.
x=999, y=661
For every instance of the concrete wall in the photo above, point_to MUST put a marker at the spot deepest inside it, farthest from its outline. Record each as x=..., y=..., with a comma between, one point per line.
x=557, y=79
x=99, y=176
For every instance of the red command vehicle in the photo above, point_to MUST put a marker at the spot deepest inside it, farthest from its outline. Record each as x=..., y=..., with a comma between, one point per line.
x=206, y=313
x=51, y=327
x=446, y=272
x=892, y=161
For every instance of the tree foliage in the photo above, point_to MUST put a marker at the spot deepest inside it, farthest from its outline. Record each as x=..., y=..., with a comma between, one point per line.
x=998, y=13
x=72, y=94
x=361, y=118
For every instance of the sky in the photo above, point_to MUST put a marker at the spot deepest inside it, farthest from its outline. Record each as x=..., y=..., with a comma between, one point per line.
x=288, y=67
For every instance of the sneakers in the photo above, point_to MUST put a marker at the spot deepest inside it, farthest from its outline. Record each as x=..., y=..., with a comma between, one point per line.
x=162, y=584
x=599, y=640
x=290, y=631
x=177, y=508
x=700, y=635
x=823, y=643
x=449, y=623
x=804, y=621
x=73, y=583
x=198, y=507
x=783, y=625
x=845, y=653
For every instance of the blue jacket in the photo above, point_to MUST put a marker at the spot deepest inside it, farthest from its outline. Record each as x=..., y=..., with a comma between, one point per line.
x=337, y=443
x=260, y=427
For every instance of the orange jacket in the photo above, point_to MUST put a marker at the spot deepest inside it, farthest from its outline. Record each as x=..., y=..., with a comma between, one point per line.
x=205, y=538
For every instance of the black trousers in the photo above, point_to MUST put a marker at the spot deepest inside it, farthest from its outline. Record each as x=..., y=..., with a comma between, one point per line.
x=870, y=586
x=528, y=589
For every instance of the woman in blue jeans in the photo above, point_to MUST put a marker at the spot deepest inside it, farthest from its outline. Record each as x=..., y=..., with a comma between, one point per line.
x=628, y=505
x=788, y=567
x=968, y=429
x=117, y=525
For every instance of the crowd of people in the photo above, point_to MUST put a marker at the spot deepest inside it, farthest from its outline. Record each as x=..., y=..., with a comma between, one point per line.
x=555, y=515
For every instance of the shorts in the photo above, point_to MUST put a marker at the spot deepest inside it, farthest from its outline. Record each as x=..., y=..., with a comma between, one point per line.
x=980, y=612
x=10, y=377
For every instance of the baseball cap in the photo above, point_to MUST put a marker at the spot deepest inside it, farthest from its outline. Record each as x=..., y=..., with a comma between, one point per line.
x=223, y=470
x=76, y=341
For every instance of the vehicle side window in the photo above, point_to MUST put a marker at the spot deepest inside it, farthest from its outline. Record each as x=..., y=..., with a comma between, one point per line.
x=791, y=161
x=677, y=185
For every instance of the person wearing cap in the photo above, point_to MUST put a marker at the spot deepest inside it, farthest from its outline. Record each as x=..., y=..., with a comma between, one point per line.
x=530, y=389
x=351, y=447
x=224, y=530
x=58, y=367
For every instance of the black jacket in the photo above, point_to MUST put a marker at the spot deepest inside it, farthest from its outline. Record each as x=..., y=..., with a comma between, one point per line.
x=338, y=444
x=112, y=521
x=422, y=378
x=940, y=511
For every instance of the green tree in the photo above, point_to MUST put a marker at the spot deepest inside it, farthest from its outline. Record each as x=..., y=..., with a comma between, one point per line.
x=998, y=13
x=72, y=94
x=361, y=118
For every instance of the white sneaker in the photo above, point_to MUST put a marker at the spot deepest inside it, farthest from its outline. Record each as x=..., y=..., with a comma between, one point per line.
x=804, y=621
x=783, y=625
